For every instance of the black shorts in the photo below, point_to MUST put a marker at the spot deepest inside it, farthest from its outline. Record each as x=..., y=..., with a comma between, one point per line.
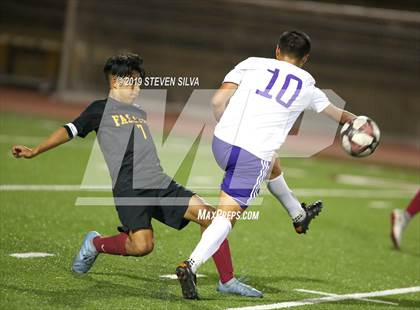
x=165, y=205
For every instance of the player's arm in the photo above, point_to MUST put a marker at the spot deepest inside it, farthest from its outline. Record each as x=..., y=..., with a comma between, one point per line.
x=57, y=138
x=320, y=103
x=339, y=115
x=88, y=121
x=221, y=98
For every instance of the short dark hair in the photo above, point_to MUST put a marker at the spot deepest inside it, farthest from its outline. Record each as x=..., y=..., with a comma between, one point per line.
x=294, y=43
x=124, y=65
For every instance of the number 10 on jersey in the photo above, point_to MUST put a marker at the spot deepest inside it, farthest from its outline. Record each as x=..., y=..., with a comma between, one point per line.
x=280, y=96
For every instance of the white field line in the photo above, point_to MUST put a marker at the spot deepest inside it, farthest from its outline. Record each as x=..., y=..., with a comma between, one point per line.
x=353, y=193
x=375, y=182
x=380, y=204
x=304, y=192
x=31, y=255
x=311, y=301
x=295, y=172
x=174, y=277
x=364, y=299
x=39, y=187
x=144, y=201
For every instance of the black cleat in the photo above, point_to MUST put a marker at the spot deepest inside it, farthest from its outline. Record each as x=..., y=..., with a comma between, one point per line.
x=188, y=281
x=311, y=212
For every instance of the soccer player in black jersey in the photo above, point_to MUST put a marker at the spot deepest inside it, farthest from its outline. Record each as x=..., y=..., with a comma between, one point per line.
x=141, y=189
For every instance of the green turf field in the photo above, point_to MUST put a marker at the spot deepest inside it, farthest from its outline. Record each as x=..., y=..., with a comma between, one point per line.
x=347, y=249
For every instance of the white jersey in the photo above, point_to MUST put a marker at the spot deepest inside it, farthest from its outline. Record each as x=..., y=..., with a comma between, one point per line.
x=271, y=95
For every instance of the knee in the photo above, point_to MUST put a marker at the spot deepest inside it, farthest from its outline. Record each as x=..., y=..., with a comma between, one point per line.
x=142, y=248
x=199, y=211
x=206, y=220
x=275, y=171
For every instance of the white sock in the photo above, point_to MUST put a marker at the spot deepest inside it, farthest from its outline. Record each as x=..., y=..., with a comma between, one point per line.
x=278, y=187
x=211, y=239
x=407, y=217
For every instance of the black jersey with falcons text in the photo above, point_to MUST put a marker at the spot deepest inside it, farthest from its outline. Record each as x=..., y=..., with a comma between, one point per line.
x=126, y=143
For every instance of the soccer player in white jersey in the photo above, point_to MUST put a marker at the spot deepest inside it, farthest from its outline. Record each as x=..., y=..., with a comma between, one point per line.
x=256, y=106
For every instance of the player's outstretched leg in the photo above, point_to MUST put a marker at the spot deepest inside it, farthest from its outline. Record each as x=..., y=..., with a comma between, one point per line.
x=298, y=212
x=234, y=286
x=311, y=211
x=87, y=255
x=188, y=280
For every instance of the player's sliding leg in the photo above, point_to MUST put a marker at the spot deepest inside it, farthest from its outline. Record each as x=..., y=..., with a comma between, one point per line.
x=300, y=214
x=136, y=243
x=400, y=219
x=222, y=257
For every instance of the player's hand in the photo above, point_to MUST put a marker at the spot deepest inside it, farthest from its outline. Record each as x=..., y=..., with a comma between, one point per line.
x=21, y=151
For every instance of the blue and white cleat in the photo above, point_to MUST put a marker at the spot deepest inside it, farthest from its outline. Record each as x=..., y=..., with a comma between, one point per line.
x=84, y=260
x=234, y=286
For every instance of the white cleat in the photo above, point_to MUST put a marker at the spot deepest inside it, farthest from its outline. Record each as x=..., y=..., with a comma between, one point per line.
x=87, y=255
x=399, y=220
x=234, y=286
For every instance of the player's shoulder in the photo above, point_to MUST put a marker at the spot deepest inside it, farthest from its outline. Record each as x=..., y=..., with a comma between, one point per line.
x=98, y=103
x=255, y=63
x=302, y=73
x=97, y=106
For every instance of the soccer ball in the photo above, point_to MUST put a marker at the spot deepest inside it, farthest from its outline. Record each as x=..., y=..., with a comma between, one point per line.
x=360, y=137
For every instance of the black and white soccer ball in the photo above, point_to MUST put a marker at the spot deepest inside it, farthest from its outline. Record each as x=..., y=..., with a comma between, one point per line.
x=360, y=137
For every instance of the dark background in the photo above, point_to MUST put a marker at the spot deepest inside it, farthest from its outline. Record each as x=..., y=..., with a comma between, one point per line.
x=370, y=57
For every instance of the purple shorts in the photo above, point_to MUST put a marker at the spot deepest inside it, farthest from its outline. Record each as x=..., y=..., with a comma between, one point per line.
x=244, y=172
